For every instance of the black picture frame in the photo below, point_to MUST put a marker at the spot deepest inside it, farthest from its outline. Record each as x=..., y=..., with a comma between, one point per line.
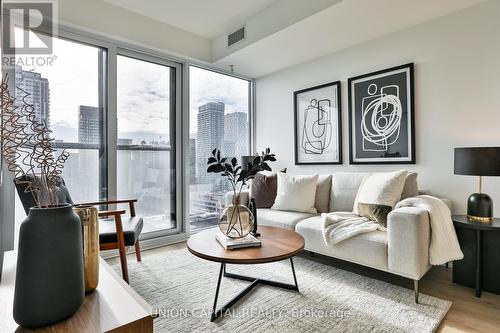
x=336, y=133
x=406, y=126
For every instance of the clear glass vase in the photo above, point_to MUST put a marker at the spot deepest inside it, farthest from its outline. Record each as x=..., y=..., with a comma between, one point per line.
x=236, y=220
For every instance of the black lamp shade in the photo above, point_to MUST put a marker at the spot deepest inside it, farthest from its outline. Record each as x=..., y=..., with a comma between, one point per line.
x=477, y=161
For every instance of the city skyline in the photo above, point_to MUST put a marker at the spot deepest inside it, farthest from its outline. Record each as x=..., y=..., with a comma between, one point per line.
x=141, y=114
x=208, y=86
x=217, y=129
x=88, y=116
x=87, y=127
x=80, y=62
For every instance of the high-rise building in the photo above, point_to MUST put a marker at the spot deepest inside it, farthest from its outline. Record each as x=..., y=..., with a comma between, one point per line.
x=34, y=89
x=88, y=124
x=229, y=148
x=192, y=160
x=236, y=134
x=210, y=135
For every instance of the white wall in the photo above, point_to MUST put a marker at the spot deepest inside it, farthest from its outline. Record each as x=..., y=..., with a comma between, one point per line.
x=457, y=97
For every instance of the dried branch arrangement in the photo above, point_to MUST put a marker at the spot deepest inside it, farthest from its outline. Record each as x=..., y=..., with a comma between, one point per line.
x=27, y=148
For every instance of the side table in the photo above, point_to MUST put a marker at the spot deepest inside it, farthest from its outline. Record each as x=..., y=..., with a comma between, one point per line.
x=480, y=243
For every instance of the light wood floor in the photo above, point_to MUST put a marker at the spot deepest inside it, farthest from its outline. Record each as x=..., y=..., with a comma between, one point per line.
x=467, y=314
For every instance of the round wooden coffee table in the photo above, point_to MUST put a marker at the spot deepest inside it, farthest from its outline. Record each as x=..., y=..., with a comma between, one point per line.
x=277, y=244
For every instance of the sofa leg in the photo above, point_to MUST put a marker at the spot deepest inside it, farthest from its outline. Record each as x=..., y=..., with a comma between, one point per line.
x=311, y=253
x=415, y=288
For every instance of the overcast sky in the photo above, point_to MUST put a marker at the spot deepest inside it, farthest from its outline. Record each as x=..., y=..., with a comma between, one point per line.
x=143, y=92
x=207, y=86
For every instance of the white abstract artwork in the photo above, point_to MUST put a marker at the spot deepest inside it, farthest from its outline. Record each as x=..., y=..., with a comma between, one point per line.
x=381, y=117
x=317, y=125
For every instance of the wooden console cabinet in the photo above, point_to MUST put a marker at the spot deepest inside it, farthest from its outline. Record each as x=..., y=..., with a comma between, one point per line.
x=113, y=307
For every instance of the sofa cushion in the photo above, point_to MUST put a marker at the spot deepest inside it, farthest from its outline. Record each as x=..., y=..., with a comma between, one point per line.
x=369, y=249
x=296, y=193
x=383, y=188
x=345, y=186
x=411, y=186
x=280, y=218
x=323, y=189
x=263, y=189
x=132, y=227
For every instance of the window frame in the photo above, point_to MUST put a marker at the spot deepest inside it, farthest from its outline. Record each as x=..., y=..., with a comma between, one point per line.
x=251, y=120
x=178, y=135
x=115, y=46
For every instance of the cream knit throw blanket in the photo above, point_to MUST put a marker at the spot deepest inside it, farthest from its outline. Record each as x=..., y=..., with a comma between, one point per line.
x=340, y=226
x=443, y=247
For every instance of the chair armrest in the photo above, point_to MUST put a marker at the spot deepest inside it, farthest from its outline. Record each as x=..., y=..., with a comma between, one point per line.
x=117, y=214
x=408, y=233
x=105, y=202
x=106, y=213
x=112, y=202
x=244, y=197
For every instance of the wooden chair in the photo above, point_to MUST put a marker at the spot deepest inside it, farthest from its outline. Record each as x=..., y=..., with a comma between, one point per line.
x=120, y=231
x=116, y=231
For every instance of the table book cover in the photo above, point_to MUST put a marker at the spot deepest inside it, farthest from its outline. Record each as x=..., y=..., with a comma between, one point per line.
x=231, y=243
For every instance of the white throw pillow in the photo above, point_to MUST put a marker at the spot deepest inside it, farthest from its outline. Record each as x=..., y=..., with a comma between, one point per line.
x=383, y=188
x=296, y=193
x=345, y=186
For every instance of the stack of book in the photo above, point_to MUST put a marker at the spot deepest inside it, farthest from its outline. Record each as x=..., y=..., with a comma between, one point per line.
x=231, y=243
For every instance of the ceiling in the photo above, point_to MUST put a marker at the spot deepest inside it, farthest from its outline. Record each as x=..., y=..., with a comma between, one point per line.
x=206, y=18
x=284, y=33
x=346, y=24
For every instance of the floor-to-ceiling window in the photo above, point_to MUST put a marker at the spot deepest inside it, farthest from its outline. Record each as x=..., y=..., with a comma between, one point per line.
x=146, y=139
x=219, y=118
x=116, y=112
x=68, y=97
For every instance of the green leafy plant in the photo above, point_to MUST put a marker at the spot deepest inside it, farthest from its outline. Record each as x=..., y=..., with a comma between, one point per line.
x=238, y=176
x=234, y=172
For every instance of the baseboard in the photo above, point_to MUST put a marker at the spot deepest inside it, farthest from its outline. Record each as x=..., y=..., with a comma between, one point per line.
x=148, y=244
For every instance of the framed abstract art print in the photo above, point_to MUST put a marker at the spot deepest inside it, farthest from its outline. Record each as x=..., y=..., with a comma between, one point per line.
x=318, y=125
x=382, y=117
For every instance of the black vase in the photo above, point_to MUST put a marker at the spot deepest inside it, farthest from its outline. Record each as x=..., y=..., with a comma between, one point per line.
x=49, y=277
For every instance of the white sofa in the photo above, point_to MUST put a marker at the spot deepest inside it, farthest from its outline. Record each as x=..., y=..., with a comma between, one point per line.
x=403, y=249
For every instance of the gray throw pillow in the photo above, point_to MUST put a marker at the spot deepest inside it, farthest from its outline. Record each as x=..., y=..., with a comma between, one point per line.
x=323, y=189
x=263, y=189
x=411, y=186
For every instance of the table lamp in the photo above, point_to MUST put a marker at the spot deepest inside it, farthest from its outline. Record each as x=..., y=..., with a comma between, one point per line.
x=478, y=161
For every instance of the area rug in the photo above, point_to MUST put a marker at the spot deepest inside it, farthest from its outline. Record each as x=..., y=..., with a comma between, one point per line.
x=181, y=289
